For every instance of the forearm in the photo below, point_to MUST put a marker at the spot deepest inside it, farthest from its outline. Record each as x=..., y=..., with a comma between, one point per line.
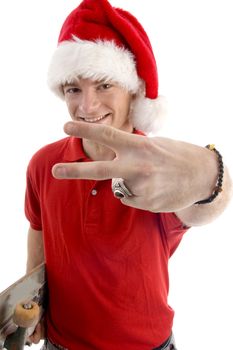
x=202, y=214
x=35, y=249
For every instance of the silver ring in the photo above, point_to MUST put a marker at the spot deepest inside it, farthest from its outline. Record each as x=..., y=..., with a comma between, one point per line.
x=119, y=189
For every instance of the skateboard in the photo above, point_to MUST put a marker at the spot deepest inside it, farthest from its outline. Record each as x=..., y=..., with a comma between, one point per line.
x=21, y=306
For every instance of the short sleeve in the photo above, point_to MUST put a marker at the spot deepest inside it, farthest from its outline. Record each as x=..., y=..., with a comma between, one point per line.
x=32, y=203
x=173, y=229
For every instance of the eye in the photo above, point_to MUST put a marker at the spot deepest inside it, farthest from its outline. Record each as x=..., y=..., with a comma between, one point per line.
x=71, y=90
x=105, y=86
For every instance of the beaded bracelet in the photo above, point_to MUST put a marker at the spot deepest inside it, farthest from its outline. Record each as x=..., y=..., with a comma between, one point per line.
x=218, y=187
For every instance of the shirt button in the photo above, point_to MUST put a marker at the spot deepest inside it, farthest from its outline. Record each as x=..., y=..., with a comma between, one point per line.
x=94, y=192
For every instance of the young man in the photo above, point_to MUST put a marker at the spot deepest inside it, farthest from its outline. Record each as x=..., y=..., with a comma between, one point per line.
x=107, y=205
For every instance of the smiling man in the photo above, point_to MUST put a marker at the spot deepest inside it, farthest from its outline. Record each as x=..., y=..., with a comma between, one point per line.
x=108, y=205
x=99, y=102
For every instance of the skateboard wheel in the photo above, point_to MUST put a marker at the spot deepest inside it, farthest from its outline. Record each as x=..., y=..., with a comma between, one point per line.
x=25, y=316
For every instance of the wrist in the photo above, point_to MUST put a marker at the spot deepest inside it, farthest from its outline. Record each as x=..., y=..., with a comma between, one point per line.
x=215, y=176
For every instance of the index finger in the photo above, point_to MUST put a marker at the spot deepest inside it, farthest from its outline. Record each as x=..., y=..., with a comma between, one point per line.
x=98, y=170
x=106, y=135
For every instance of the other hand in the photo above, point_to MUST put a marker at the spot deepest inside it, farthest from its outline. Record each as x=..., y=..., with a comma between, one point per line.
x=38, y=332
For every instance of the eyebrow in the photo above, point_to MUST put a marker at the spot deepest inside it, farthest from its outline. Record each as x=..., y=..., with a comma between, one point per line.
x=102, y=81
x=97, y=82
x=69, y=84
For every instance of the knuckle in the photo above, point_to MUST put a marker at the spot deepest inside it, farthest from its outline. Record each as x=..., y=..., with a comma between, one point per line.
x=148, y=145
x=72, y=170
x=108, y=133
x=145, y=169
x=102, y=172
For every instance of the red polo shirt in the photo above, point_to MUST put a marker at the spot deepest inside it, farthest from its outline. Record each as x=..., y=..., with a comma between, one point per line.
x=107, y=263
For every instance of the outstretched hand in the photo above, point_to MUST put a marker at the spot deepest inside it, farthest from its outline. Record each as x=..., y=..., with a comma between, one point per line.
x=163, y=174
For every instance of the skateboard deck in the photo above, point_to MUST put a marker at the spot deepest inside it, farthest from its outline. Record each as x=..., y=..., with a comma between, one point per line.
x=27, y=293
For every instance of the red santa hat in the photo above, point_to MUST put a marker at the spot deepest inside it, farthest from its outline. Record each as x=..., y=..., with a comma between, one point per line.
x=99, y=41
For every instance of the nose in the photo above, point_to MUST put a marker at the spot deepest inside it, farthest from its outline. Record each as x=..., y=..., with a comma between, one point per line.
x=89, y=102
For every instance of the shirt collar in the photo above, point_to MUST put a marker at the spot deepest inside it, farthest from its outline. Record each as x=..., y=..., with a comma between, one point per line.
x=74, y=150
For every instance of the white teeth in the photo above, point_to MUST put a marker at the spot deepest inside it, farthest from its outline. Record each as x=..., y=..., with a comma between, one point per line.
x=93, y=120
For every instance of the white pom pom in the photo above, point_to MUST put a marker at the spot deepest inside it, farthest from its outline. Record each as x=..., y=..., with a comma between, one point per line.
x=148, y=115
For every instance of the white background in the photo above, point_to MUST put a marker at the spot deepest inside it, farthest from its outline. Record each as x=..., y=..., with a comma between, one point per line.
x=193, y=48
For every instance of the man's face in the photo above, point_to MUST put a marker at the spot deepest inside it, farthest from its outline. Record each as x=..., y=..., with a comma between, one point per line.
x=99, y=102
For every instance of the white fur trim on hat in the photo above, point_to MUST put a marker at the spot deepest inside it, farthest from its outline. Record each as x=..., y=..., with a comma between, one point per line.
x=94, y=60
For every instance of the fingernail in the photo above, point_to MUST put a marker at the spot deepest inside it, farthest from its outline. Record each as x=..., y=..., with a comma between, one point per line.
x=59, y=172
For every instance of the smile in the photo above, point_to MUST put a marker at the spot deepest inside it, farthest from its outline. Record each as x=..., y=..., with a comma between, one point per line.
x=96, y=119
